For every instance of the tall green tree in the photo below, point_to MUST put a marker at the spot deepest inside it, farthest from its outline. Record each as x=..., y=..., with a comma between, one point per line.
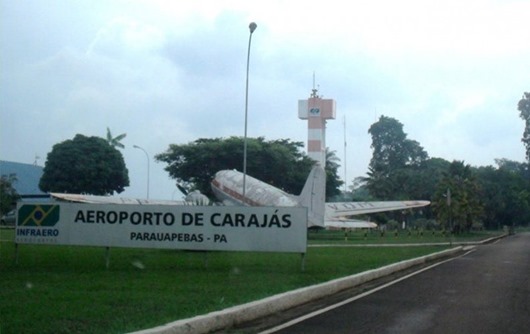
x=524, y=108
x=280, y=163
x=8, y=194
x=87, y=165
x=393, y=159
x=115, y=141
x=505, y=192
x=391, y=147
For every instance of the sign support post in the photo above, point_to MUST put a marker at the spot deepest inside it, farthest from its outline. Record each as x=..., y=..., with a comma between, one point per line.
x=16, y=253
x=107, y=257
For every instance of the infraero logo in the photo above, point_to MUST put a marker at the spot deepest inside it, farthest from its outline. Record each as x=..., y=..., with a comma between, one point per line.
x=314, y=111
x=38, y=215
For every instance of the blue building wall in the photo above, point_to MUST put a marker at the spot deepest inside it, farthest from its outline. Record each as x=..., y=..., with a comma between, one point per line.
x=28, y=177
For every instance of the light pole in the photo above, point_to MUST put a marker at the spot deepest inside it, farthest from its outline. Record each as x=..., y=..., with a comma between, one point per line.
x=448, y=195
x=252, y=26
x=147, y=156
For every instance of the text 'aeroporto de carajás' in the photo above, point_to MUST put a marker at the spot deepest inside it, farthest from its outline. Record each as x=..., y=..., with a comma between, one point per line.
x=265, y=220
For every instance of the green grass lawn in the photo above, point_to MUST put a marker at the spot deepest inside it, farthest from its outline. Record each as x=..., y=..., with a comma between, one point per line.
x=66, y=289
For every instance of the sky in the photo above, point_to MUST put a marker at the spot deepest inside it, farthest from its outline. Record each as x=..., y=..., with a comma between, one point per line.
x=171, y=72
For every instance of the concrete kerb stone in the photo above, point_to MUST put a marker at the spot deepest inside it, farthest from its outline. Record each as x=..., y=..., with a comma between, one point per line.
x=250, y=311
x=492, y=239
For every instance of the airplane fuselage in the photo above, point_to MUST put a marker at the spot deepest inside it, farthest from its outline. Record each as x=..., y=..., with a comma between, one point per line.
x=228, y=187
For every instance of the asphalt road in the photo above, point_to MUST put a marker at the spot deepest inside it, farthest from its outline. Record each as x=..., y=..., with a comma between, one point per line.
x=484, y=291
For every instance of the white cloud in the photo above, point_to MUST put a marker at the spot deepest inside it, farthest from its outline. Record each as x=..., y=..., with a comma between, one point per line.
x=124, y=36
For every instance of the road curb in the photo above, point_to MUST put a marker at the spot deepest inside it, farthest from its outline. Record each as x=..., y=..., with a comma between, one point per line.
x=250, y=311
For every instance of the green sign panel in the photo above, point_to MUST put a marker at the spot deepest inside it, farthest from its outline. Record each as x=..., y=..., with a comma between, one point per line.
x=38, y=215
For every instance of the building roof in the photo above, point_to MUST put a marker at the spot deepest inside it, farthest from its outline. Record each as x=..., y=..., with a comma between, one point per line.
x=27, y=177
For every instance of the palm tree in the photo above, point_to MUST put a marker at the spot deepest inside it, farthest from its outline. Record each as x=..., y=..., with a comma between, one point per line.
x=115, y=141
x=461, y=207
x=333, y=183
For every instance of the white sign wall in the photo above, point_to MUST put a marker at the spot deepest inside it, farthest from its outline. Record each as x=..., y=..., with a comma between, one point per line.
x=223, y=228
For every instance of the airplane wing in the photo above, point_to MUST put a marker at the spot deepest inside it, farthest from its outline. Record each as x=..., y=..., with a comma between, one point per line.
x=337, y=213
x=112, y=200
x=344, y=209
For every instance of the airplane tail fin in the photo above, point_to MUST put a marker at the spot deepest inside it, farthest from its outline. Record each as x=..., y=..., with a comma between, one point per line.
x=313, y=196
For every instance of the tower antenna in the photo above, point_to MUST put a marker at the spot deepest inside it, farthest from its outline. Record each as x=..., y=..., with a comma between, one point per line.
x=314, y=91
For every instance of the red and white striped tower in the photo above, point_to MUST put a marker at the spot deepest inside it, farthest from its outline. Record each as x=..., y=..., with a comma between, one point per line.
x=316, y=111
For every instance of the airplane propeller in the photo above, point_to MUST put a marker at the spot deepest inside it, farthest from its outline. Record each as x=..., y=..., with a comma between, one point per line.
x=182, y=189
